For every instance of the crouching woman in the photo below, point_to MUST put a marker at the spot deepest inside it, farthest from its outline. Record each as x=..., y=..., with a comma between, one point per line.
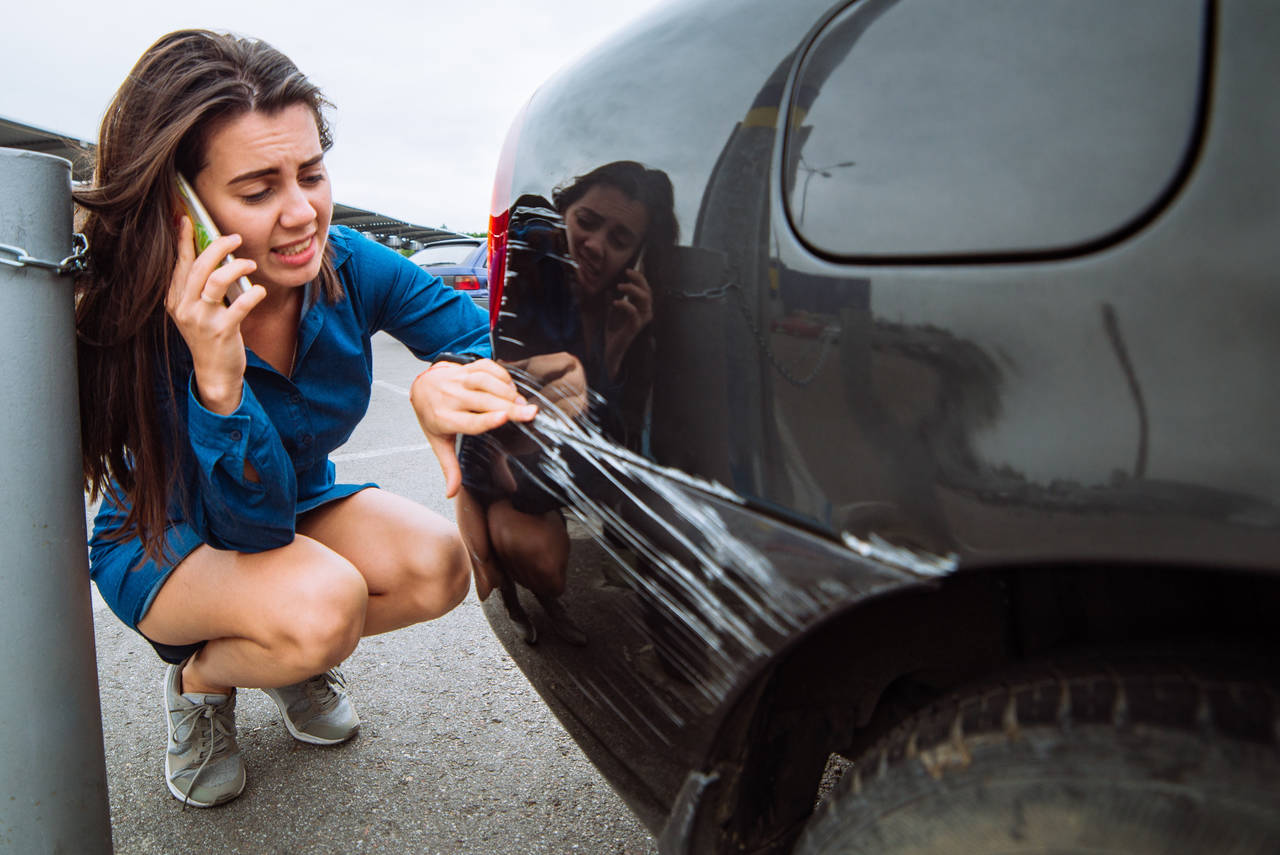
x=208, y=414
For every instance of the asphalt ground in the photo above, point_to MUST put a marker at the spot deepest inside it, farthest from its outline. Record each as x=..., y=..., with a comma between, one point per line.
x=456, y=754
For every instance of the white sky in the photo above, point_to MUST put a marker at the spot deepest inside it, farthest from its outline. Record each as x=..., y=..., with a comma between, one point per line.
x=424, y=90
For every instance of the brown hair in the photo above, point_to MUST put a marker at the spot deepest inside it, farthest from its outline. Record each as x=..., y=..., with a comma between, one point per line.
x=158, y=124
x=649, y=187
x=652, y=189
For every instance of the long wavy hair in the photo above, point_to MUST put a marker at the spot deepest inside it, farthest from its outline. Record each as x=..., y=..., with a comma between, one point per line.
x=650, y=187
x=158, y=125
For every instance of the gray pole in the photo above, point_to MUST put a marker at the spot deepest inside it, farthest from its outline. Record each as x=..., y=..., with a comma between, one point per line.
x=53, y=778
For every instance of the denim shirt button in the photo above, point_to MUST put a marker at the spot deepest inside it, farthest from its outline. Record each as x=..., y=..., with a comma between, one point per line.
x=235, y=436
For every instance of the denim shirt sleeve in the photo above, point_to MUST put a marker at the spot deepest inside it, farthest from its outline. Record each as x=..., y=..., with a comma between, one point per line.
x=228, y=510
x=414, y=306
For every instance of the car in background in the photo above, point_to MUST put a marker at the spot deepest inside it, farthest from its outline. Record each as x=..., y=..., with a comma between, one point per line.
x=907, y=418
x=463, y=263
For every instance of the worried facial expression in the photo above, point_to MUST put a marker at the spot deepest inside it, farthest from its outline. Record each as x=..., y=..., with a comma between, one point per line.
x=264, y=179
x=606, y=229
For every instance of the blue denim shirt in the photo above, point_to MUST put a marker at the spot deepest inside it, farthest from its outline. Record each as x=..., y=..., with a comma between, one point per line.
x=286, y=427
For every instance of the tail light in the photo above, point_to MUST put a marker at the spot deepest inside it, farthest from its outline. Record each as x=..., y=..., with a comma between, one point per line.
x=466, y=283
x=499, y=216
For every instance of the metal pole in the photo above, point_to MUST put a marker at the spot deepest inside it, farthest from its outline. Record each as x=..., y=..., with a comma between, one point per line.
x=53, y=777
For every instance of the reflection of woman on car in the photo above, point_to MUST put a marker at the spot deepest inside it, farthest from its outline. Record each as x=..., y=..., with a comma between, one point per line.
x=612, y=216
x=611, y=226
x=582, y=283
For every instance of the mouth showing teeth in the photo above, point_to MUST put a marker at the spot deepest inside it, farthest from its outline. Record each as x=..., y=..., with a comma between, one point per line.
x=295, y=248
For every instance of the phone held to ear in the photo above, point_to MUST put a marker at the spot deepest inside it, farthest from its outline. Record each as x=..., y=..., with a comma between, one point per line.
x=637, y=260
x=207, y=233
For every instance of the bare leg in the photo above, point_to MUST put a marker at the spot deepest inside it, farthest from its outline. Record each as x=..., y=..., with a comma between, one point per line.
x=411, y=558
x=366, y=564
x=269, y=618
x=473, y=525
x=533, y=547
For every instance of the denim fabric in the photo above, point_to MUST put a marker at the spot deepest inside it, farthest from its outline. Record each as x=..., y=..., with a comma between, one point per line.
x=286, y=427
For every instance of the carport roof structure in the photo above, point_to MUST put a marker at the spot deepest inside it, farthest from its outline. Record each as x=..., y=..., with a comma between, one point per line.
x=15, y=134
x=384, y=229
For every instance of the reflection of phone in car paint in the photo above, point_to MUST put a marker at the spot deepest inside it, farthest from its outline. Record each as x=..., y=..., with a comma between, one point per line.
x=636, y=260
x=207, y=233
x=634, y=264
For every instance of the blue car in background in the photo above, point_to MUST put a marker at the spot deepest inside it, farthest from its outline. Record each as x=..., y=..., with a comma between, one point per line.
x=463, y=263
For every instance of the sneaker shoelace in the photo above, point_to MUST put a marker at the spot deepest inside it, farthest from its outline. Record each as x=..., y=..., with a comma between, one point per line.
x=324, y=690
x=211, y=742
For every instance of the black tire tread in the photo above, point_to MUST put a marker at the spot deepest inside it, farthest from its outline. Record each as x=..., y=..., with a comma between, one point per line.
x=1242, y=713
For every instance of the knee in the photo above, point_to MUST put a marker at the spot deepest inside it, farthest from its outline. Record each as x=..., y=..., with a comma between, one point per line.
x=536, y=553
x=542, y=572
x=438, y=576
x=325, y=618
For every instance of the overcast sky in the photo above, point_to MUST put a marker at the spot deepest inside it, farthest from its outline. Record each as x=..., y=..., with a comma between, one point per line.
x=425, y=90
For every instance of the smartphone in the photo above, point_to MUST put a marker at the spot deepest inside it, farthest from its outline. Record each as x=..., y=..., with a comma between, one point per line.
x=637, y=260
x=635, y=263
x=207, y=233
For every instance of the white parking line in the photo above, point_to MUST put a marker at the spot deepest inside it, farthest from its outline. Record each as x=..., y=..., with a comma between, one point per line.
x=380, y=452
x=393, y=387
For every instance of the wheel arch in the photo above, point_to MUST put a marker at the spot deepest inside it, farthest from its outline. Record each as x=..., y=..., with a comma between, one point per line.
x=840, y=686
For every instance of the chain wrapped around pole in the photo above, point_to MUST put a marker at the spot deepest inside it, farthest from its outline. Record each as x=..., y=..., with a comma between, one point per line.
x=73, y=263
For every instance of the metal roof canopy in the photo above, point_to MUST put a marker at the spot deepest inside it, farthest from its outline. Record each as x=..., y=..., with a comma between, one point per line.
x=379, y=227
x=386, y=229
x=15, y=134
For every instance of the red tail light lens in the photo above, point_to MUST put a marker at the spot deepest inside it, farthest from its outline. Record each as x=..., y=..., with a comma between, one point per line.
x=497, y=262
x=466, y=283
x=499, y=217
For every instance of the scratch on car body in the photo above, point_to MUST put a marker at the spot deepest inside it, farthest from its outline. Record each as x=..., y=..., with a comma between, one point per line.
x=917, y=563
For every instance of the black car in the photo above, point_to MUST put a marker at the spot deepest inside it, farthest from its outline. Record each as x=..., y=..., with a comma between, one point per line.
x=909, y=417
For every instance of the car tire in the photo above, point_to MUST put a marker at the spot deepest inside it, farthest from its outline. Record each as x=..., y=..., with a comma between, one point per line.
x=1152, y=760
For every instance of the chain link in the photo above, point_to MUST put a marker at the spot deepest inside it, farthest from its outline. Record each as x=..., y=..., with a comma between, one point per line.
x=761, y=342
x=73, y=263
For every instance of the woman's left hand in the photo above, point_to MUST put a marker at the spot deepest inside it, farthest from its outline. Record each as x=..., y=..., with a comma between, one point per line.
x=450, y=399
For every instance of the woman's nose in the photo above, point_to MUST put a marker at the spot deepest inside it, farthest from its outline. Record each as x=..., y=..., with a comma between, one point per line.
x=593, y=246
x=297, y=210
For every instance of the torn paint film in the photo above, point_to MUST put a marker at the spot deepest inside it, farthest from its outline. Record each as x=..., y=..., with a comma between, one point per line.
x=714, y=604
x=589, y=436
x=682, y=591
x=917, y=563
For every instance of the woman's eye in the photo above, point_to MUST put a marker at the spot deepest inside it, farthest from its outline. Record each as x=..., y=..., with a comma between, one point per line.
x=312, y=179
x=260, y=196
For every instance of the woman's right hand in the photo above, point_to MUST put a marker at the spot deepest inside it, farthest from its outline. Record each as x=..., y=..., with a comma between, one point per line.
x=210, y=328
x=451, y=399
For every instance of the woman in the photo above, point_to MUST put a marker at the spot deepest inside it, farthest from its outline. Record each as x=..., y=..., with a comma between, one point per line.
x=617, y=229
x=206, y=423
